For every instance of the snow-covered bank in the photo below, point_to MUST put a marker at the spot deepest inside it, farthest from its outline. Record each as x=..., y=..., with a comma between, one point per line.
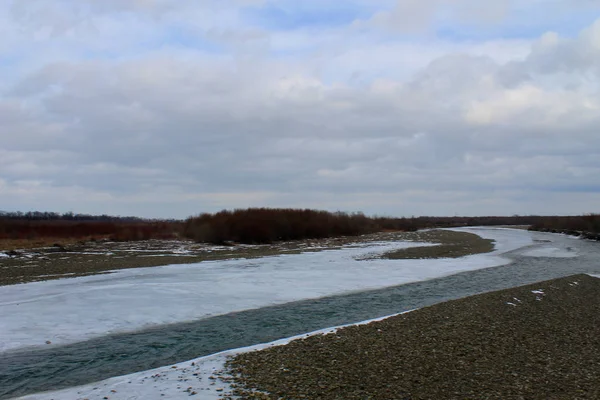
x=66, y=311
x=179, y=381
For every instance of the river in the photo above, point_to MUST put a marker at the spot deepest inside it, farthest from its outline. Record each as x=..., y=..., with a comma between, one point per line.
x=29, y=371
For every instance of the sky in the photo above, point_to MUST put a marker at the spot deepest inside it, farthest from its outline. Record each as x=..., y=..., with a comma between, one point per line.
x=171, y=108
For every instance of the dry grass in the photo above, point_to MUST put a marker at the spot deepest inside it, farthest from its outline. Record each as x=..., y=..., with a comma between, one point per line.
x=23, y=244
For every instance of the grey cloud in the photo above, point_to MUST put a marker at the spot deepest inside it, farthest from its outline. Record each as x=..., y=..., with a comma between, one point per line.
x=417, y=16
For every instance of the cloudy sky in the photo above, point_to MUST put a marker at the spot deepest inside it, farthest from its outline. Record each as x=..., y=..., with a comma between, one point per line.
x=168, y=108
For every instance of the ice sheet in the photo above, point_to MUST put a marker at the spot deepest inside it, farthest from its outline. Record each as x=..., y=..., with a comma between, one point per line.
x=77, y=309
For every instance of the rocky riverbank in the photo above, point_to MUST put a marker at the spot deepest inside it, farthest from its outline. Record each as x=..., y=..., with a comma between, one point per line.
x=539, y=341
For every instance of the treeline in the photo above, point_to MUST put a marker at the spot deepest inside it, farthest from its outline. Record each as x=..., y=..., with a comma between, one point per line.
x=116, y=229
x=266, y=225
x=54, y=216
x=261, y=225
x=587, y=226
x=449, y=222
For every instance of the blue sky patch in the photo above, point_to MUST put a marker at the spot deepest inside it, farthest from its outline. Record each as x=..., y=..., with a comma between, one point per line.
x=290, y=15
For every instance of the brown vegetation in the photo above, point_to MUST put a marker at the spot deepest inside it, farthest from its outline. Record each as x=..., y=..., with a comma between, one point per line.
x=587, y=226
x=267, y=225
x=42, y=228
x=262, y=225
x=252, y=226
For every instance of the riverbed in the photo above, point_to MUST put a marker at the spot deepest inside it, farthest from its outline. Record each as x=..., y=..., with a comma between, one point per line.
x=307, y=298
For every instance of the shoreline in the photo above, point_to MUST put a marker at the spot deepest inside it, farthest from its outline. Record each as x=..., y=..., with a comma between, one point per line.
x=207, y=377
x=538, y=341
x=207, y=372
x=95, y=258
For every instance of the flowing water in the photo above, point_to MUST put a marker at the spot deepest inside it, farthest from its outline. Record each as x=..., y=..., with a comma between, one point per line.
x=24, y=372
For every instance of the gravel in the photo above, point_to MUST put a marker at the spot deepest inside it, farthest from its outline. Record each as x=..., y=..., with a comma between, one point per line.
x=450, y=244
x=539, y=341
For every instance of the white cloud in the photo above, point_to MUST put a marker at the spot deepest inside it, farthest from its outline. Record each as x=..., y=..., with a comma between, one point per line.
x=418, y=16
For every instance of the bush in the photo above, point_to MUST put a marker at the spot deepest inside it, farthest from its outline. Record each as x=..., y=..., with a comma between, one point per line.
x=268, y=225
x=589, y=223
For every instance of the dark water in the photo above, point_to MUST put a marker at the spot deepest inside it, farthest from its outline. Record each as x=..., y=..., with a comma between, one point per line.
x=28, y=372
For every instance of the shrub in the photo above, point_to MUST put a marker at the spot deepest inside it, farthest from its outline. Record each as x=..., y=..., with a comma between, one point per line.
x=589, y=223
x=266, y=225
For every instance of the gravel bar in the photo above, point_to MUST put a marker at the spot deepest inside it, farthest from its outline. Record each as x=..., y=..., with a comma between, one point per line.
x=450, y=244
x=539, y=341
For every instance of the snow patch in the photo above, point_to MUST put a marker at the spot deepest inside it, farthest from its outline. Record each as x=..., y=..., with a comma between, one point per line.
x=182, y=250
x=539, y=294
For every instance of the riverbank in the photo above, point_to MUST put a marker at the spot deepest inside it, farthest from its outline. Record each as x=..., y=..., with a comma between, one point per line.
x=98, y=257
x=538, y=341
x=448, y=244
x=542, y=346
